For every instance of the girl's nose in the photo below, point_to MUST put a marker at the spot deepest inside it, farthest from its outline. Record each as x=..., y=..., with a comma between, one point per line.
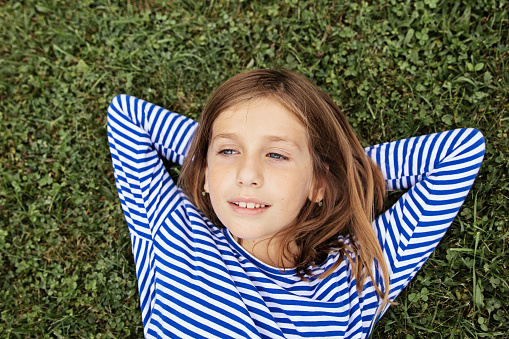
x=249, y=172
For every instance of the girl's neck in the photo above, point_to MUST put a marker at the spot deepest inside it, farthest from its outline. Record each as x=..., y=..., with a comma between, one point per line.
x=267, y=252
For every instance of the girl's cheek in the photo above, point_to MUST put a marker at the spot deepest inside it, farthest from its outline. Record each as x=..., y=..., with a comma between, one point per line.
x=219, y=176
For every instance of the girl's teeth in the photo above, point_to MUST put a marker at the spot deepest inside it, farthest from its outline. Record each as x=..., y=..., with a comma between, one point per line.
x=248, y=204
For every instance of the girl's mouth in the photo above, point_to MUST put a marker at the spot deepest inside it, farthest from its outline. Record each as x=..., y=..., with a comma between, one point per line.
x=249, y=208
x=248, y=204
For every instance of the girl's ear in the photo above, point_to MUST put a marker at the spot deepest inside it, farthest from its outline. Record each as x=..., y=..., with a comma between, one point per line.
x=318, y=191
x=206, y=183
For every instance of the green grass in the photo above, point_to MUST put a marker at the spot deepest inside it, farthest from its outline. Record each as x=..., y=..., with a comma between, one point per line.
x=397, y=68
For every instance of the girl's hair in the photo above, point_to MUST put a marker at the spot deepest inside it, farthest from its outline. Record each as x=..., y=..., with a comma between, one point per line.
x=354, y=188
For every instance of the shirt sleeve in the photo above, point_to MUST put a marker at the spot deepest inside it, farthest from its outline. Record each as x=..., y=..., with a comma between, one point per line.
x=438, y=170
x=139, y=133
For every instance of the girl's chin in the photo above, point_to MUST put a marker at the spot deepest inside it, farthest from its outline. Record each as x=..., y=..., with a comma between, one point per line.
x=243, y=237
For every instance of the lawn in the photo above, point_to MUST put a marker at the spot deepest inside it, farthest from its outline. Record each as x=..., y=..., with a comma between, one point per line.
x=396, y=68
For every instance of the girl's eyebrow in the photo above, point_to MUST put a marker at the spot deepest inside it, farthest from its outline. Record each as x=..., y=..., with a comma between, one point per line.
x=273, y=138
x=231, y=136
x=269, y=138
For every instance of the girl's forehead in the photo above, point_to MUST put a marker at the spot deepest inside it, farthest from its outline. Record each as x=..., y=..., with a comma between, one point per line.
x=262, y=116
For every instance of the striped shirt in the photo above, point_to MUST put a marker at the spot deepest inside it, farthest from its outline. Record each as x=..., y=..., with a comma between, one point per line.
x=194, y=279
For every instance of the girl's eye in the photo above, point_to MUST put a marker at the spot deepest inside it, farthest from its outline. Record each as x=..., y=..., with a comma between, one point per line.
x=277, y=156
x=227, y=152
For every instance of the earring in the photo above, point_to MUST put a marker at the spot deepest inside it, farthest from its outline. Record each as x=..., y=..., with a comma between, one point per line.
x=203, y=193
x=320, y=203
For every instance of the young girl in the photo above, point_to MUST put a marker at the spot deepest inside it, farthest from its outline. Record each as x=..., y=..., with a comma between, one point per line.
x=275, y=230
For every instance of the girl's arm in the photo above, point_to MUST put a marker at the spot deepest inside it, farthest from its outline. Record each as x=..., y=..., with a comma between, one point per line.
x=438, y=170
x=139, y=133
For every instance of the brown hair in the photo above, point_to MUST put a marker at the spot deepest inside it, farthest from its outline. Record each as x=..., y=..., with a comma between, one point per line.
x=354, y=188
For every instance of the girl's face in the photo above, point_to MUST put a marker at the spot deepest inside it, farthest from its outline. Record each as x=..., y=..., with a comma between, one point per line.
x=259, y=169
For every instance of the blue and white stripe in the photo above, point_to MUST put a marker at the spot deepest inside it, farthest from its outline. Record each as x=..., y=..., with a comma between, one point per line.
x=195, y=281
